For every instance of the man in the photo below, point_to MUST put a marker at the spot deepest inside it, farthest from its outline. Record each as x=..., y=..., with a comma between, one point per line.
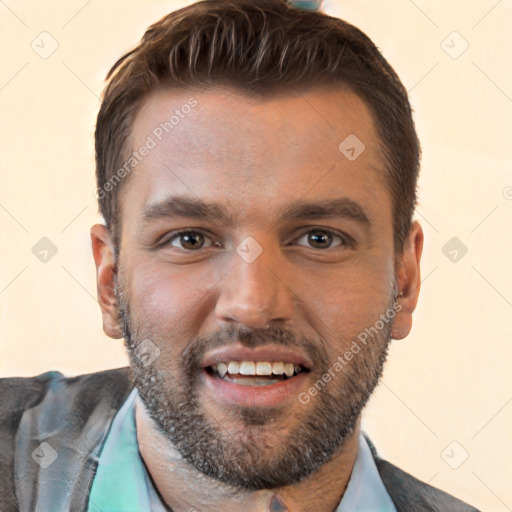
x=256, y=168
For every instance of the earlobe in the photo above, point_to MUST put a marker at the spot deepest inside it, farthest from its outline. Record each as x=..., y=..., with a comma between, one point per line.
x=104, y=258
x=408, y=282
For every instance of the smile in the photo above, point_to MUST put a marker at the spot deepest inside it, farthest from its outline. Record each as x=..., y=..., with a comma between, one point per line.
x=265, y=376
x=255, y=373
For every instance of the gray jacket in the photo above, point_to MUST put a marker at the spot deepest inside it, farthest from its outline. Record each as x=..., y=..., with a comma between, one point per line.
x=52, y=430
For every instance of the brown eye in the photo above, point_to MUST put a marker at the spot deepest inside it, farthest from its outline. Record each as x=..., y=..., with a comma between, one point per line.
x=322, y=239
x=188, y=240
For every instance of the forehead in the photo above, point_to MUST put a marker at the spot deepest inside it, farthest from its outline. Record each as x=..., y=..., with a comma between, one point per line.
x=252, y=153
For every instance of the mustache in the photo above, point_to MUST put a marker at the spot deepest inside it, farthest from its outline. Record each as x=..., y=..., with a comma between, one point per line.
x=193, y=353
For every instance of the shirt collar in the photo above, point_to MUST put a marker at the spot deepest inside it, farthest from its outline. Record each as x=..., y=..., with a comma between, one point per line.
x=123, y=484
x=365, y=491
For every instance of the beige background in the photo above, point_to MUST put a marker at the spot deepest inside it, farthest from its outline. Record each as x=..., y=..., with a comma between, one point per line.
x=449, y=381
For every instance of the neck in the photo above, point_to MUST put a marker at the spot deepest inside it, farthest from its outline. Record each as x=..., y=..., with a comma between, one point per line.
x=184, y=488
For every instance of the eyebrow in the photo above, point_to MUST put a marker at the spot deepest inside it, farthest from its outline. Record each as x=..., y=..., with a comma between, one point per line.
x=194, y=208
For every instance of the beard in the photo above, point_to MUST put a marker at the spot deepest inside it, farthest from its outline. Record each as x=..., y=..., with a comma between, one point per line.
x=245, y=457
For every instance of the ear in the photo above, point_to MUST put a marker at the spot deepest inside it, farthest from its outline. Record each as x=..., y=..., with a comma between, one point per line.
x=103, y=251
x=408, y=281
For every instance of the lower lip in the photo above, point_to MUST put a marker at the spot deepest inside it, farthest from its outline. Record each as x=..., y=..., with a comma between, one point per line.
x=255, y=396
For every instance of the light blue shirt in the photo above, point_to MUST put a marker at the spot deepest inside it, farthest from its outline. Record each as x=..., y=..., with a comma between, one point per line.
x=122, y=483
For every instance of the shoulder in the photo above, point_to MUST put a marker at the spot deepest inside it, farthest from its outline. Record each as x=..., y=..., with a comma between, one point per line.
x=52, y=406
x=50, y=389
x=409, y=493
x=20, y=393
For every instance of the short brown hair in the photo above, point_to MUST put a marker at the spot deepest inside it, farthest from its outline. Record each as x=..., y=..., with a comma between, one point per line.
x=257, y=46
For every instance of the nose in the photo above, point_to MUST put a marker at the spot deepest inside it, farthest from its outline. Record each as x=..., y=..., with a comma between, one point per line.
x=256, y=293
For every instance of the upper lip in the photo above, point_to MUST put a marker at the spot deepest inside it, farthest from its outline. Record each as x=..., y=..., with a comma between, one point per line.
x=270, y=353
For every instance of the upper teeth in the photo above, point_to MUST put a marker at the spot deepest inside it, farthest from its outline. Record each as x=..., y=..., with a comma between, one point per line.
x=256, y=368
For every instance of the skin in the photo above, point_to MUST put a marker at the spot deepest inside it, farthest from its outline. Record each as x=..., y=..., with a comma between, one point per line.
x=254, y=156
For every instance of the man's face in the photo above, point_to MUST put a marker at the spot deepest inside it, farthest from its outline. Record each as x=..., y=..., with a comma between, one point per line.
x=287, y=257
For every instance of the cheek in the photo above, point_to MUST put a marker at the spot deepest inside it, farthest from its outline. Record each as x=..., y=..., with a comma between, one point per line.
x=167, y=301
x=349, y=300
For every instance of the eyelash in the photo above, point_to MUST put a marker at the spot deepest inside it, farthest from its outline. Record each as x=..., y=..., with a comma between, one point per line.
x=346, y=240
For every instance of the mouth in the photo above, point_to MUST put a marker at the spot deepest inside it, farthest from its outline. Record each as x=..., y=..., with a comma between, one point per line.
x=255, y=373
x=265, y=376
